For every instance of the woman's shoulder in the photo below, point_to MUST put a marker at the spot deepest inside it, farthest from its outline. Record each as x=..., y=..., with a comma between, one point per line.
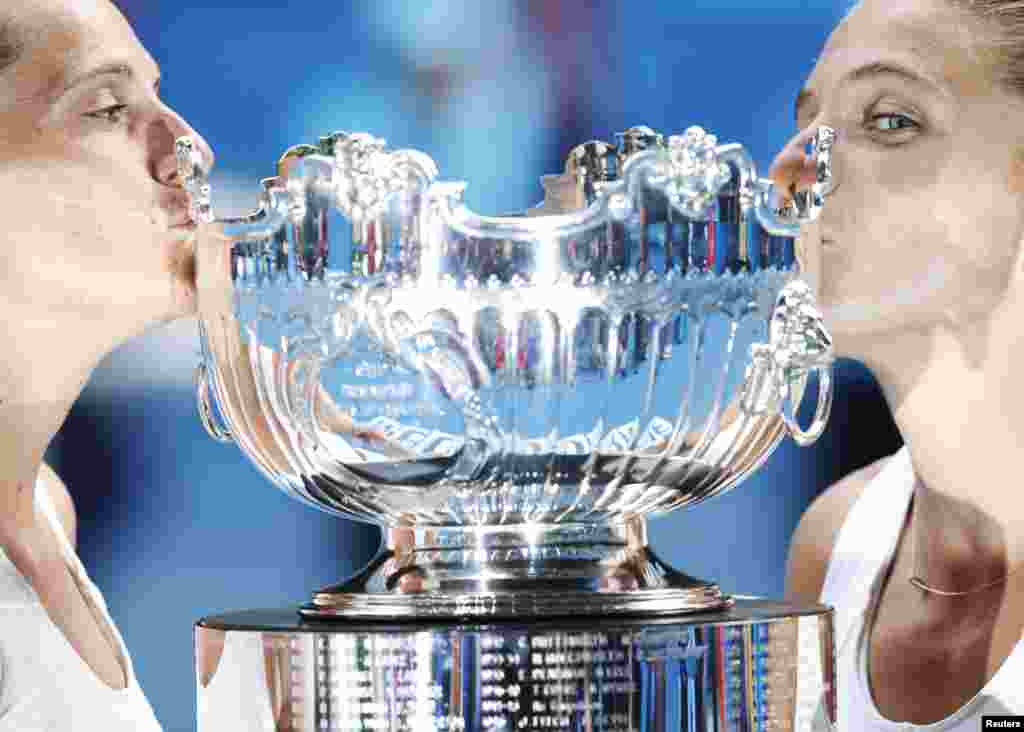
x=816, y=534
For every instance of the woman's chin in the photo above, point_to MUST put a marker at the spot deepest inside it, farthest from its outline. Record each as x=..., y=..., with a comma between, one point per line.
x=181, y=264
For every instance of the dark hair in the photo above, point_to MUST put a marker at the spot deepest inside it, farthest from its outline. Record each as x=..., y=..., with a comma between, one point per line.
x=10, y=44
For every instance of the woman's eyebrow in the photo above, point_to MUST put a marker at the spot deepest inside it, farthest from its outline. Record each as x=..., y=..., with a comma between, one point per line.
x=115, y=69
x=871, y=70
x=888, y=68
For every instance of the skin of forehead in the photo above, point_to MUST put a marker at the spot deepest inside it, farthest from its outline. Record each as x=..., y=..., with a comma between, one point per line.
x=61, y=37
x=946, y=42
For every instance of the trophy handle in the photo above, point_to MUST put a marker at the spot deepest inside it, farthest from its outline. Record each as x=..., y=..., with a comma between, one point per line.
x=808, y=437
x=809, y=203
x=758, y=193
x=798, y=344
x=211, y=423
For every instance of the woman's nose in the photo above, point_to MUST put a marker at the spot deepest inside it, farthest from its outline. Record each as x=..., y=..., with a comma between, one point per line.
x=794, y=168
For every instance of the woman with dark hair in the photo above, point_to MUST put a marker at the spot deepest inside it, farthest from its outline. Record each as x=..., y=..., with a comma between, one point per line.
x=918, y=263
x=95, y=247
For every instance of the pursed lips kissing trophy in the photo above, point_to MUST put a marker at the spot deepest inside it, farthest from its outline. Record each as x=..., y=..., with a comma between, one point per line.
x=511, y=397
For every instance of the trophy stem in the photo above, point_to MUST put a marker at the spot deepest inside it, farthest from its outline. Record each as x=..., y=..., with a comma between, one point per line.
x=518, y=571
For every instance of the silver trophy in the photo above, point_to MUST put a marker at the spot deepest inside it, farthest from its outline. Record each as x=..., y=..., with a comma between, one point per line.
x=511, y=397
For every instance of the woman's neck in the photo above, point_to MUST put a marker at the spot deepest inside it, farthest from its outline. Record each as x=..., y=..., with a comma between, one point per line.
x=26, y=430
x=43, y=374
x=958, y=401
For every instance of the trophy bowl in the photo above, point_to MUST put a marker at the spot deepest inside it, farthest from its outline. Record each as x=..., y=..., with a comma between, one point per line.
x=510, y=396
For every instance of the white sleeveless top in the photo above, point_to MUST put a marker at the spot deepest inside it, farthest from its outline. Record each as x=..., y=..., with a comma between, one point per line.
x=863, y=551
x=44, y=684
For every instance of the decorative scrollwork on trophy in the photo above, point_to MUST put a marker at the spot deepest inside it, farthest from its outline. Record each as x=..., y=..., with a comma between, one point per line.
x=697, y=173
x=192, y=174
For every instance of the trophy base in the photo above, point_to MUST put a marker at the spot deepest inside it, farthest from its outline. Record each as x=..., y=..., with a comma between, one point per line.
x=755, y=666
x=516, y=572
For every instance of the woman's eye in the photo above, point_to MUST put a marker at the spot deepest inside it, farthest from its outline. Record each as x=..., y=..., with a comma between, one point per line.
x=892, y=122
x=114, y=114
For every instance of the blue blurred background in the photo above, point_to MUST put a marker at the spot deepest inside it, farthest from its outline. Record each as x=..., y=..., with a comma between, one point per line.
x=174, y=526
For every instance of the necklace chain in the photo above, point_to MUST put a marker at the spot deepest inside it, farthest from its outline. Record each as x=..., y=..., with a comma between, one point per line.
x=920, y=584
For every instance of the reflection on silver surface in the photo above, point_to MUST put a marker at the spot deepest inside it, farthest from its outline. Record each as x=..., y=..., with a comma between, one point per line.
x=541, y=571
x=526, y=389
x=756, y=667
